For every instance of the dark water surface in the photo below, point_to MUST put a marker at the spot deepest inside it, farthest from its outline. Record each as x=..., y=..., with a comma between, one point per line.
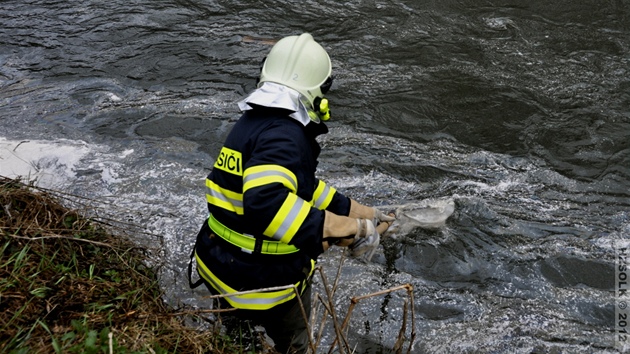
x=519, y=111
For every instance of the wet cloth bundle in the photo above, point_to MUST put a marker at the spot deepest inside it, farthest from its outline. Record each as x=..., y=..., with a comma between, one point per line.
x=427, y=214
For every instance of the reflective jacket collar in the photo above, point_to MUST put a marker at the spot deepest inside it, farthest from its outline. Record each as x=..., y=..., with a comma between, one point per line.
x=273, y=95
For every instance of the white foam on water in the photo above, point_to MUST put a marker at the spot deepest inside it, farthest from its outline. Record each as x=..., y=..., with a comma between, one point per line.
x=165, y=195
x=49, y=163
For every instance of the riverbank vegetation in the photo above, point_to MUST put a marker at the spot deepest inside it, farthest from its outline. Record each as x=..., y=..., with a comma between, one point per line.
x=71, y=283
x=67, y=285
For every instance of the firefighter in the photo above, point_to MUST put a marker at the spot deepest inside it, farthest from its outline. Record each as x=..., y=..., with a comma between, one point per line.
x=270, y=217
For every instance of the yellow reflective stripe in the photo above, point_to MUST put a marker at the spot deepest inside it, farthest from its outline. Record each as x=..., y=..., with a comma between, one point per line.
x=323, y=195
x=310, y=273
x=265, y=174
x=224, y=198
x=262, y=300
x=288, y=219
x=246, y=242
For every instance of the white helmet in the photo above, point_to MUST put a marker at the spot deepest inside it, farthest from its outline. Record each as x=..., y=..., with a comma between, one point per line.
x=300, y=63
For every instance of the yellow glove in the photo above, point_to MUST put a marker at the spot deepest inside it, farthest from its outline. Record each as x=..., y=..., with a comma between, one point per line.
x=342, y=230
x=360, y=211
x=366, y=245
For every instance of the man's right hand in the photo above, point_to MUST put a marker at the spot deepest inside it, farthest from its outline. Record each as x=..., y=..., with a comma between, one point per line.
x=371, y=240
x=342, y=230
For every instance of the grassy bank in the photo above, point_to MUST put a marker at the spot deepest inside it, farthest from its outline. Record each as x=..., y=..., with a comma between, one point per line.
x=67, y=285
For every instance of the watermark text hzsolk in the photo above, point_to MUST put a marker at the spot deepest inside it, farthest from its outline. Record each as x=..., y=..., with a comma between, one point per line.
x=622, y=295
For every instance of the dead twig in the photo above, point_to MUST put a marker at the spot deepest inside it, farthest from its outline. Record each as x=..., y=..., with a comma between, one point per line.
x=331, y=309
x=324, y=318
x=275, y=288
x=403, y=328
x=308, y=329
x=197, y=312
x=355, y=300
x=57, y=237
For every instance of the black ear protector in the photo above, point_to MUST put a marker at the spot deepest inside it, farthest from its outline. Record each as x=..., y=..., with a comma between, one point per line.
x=320, y=104
x=325, y=87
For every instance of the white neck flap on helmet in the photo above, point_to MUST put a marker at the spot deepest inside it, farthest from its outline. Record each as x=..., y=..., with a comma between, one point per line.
x=273, y=95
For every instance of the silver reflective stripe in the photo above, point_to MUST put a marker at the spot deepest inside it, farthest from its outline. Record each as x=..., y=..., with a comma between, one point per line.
x=235, y=202
x=263, y=174
x=209, y=278
x=322, y=197
x=247, y=301
x=261, y=301
x=288, y=220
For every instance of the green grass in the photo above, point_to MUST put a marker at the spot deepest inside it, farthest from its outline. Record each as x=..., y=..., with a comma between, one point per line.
x=69, y=286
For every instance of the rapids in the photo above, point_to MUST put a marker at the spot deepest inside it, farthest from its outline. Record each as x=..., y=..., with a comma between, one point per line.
x=517, y=113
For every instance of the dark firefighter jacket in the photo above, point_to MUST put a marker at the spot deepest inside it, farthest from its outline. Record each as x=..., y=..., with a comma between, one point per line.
x=263, y=189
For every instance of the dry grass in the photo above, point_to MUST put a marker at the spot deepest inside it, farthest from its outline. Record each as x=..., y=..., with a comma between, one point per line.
x=67, y=285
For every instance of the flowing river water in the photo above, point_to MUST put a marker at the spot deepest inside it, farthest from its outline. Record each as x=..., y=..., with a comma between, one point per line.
x=518, y=111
